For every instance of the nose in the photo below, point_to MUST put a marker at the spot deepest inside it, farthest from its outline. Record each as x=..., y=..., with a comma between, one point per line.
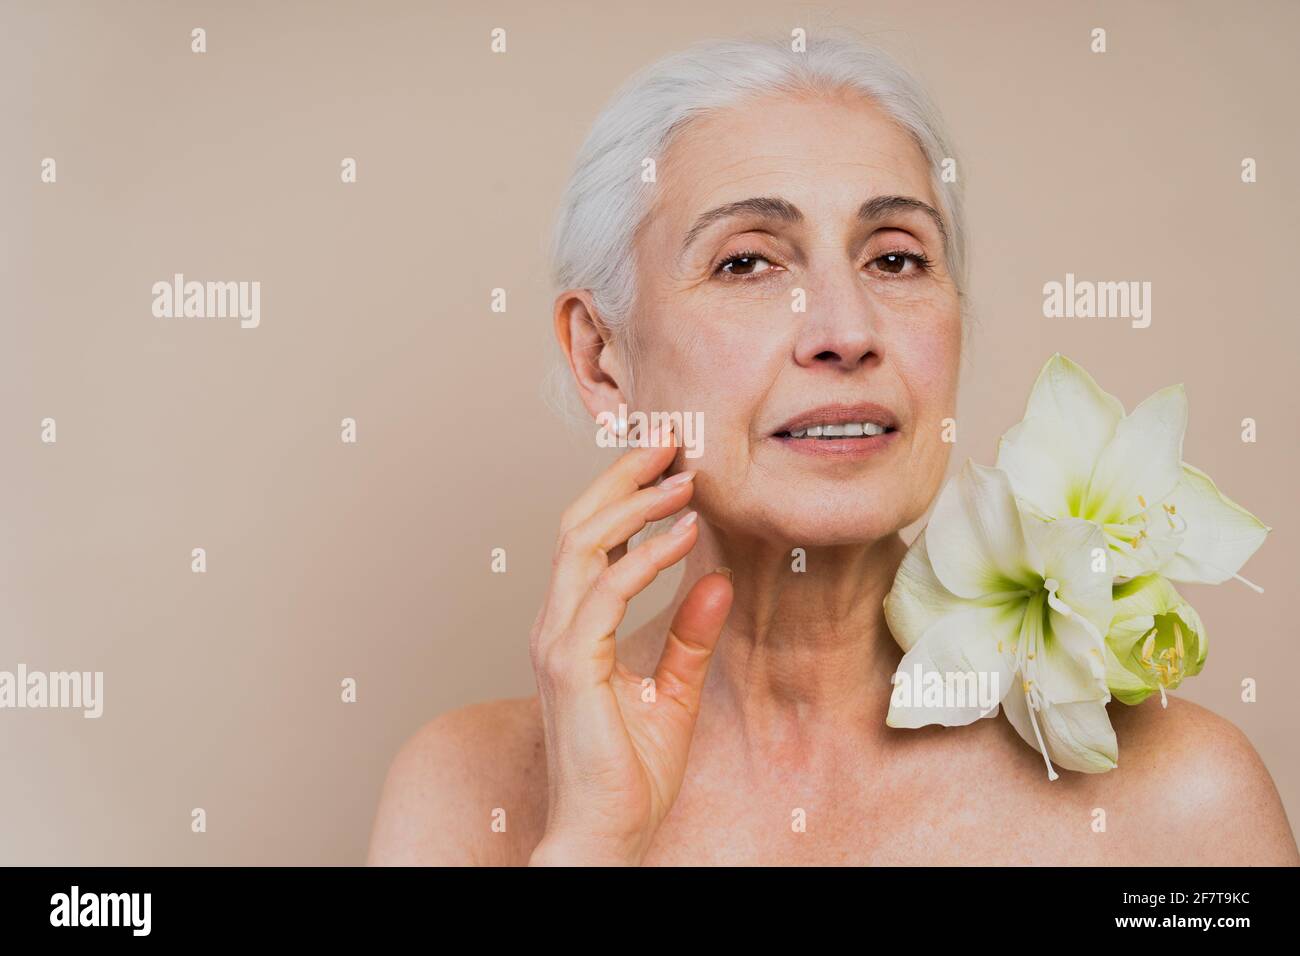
x=839, y=330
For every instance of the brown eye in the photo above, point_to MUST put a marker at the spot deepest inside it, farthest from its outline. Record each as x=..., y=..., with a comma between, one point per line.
x=896, y=263
x=745, y=264
x=893, y=262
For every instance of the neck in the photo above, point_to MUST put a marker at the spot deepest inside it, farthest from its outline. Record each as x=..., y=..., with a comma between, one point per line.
x=805, y=647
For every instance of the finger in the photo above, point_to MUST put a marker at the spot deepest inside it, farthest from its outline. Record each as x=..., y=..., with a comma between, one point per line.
x=613, y=524
x=583, y=551
x=634, y=470
x=585, y=650
x=692, y=638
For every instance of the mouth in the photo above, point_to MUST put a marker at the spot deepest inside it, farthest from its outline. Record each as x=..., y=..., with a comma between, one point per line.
x=839, y=430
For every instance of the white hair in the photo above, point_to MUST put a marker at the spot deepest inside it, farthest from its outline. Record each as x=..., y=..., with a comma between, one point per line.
x=606, y=199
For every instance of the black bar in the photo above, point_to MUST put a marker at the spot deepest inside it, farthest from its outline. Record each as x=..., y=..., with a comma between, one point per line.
x=243, y=904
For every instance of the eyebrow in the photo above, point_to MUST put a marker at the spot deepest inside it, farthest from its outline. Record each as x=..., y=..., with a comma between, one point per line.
x=883, y=205
x=773, y=207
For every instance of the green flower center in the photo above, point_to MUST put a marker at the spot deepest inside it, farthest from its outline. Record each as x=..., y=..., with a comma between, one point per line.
x=1162, y=652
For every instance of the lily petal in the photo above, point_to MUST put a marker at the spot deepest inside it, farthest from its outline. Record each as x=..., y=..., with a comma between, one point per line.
x=1125, y=632
x=1142, y=462
x=1144, y=597
x=974, y=641
x=918, y=598
x=1125, y=685
x=976, y=542
x=1219, y=537
x=1194, y=623
x=1043, y=470
x=1073, y=553
x=1078, y=736
x=1072, y=666
x=1068, y=421
x=1153, y=549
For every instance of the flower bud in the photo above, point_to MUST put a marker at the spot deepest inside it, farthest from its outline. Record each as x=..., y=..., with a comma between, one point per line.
x=1155, y=640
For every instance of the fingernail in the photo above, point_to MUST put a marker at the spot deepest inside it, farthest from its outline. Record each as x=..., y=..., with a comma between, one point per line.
x=726, y=571
x=683, y=524
x=677, y=480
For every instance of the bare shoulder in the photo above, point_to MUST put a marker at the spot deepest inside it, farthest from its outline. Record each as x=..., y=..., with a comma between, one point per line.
x=468, y=788
x=1193, y=789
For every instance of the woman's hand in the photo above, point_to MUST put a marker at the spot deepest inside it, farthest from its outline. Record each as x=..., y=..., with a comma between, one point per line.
x=616, y=747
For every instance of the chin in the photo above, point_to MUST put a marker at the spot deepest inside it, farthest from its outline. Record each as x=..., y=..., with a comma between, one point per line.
x=844, y=521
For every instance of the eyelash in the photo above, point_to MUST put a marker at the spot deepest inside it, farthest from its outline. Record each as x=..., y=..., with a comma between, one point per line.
x=921, y=260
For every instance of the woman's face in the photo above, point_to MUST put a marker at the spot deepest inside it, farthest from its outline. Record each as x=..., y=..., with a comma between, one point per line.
x=827, y=303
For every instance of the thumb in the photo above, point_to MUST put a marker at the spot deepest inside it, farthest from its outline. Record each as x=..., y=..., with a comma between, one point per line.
x=692, y=637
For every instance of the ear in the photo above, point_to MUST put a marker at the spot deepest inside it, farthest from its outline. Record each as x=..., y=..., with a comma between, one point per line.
x=588, y=345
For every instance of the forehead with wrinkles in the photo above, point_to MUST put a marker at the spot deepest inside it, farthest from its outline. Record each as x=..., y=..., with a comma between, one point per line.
x=825, y=154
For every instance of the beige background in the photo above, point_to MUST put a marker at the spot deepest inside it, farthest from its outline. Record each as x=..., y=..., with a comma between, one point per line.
x=371, y=561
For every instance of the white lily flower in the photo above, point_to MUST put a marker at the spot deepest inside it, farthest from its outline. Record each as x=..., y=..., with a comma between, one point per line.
x=1076, y=454
x=985, y=590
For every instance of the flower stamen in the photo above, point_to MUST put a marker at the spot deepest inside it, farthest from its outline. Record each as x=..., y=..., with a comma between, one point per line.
x=1029, y=701
x=1031, y=632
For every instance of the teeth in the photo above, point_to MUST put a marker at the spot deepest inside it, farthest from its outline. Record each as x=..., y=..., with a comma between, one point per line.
x=850, y=430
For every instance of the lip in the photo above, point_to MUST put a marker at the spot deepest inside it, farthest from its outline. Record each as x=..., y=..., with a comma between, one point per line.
x=839, y=414
x=840, y=449
x=848, y=448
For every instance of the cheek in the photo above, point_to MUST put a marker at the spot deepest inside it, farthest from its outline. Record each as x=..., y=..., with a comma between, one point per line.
x=707, y=378
x=929, y=361
x=718, y=361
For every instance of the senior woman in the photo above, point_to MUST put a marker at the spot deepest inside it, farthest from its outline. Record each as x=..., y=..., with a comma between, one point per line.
x=721, y=188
